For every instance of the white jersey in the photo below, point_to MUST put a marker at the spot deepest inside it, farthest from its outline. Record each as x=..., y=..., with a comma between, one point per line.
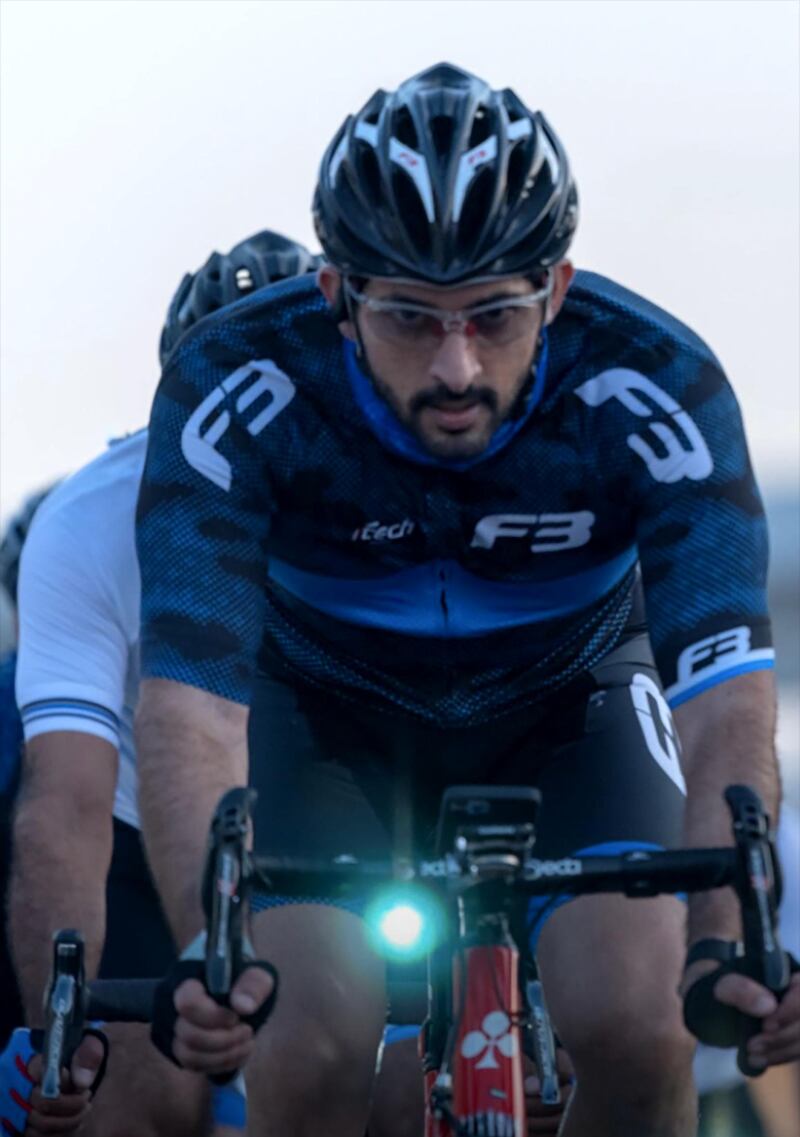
x=79, y=600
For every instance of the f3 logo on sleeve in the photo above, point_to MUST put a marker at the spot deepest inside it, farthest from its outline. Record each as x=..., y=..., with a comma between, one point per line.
x=685, y=455
x=253, y=382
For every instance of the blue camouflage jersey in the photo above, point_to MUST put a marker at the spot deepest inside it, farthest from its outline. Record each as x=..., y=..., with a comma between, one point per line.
x=287, y=518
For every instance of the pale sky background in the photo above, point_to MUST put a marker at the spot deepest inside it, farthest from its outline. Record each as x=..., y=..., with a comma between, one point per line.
x=138, y=136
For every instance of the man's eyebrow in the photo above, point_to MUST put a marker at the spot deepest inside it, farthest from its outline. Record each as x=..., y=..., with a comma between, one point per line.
x=494, y=298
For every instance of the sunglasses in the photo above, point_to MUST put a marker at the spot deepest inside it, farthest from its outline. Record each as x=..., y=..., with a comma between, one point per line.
x=419, y=326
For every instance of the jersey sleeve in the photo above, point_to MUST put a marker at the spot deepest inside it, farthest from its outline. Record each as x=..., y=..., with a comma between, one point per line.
x=73, y=648
x=702, y=534
x=203, y=518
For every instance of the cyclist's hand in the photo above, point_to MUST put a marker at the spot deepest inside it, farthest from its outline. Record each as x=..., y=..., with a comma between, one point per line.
x=212, y=1039
x=543, y=1119
x=22, y=1107
x=779, y=1040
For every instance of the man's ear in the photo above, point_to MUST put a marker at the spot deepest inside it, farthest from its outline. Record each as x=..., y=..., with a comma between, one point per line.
x=330, y=284
x=563, y=274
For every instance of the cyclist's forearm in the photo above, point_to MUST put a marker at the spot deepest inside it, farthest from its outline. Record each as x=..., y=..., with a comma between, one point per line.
x=728, y=736
x=58, y=881
x=191, y=748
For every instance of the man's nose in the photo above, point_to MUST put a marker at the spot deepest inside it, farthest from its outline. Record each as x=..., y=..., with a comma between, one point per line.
x=455, y=364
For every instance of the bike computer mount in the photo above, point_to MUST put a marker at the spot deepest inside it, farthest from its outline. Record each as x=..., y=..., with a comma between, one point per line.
x=488, y=829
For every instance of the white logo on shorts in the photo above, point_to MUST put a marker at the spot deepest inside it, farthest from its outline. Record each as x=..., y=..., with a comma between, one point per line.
x=663, y=744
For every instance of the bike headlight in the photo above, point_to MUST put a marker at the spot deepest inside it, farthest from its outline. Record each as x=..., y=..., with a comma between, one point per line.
x=403, y=923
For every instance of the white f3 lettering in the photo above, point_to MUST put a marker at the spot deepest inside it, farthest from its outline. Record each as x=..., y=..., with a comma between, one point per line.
x=200, y=449
x=549, y=531
x=662, y=744
x=679, y=462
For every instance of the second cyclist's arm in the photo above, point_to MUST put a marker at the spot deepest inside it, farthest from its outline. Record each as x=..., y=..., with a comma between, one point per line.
x=59, y=881
x=191, y=748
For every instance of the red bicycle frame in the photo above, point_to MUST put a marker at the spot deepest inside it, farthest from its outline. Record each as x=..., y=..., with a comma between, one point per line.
x=477, y=1087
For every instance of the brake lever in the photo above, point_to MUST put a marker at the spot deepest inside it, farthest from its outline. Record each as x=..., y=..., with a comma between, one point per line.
x=226, y=891
x=758, y=886
x=65, y=1009
x=227, y=881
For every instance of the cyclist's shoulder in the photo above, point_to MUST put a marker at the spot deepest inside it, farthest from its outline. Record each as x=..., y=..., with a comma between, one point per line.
x=97, y=502
x=598, y=304
x=287, y=324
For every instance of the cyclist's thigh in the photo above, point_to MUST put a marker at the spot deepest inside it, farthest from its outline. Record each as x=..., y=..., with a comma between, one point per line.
x=314, y=760
x=142, y=1093
x=616, y=783
x=309, y=758
x=318, y=1052
x=616, y=787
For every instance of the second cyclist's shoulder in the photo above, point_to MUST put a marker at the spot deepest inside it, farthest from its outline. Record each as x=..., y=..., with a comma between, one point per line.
x=629, y=324
x=94, y=506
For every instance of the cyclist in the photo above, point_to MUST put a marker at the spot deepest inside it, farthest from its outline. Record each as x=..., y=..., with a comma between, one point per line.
x=404, y=519
x=78, y=856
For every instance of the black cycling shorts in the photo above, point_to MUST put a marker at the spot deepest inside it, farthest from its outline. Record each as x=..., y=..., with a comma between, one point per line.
x=138, y=943
x=334, y=777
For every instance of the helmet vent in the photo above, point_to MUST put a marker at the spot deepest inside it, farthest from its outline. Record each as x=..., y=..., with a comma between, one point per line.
x=411, y=209
x=481, y=128
x=442, y=134
x=476, y=209
x=404, y=130
x=370, y=173
x=516, y=185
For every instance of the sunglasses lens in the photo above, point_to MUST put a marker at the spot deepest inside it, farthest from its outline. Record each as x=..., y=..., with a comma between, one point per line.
x=403, y=327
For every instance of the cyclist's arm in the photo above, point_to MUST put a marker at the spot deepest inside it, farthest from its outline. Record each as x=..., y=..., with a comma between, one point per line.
x=727, y=735
x=73, y=658
x=202, y=521
x=192, y=747
x=202, y=524
x=62, y=852
x=703, y=549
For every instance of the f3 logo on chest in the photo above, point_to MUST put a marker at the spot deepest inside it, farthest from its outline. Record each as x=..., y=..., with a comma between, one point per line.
x=548, y=532
x=262, y=387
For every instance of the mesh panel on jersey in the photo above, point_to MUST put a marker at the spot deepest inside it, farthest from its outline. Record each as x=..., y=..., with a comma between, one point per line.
x=464, y=697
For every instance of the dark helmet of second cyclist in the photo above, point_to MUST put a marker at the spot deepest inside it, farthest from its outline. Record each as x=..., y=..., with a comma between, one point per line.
x=445, y=180
x=262, y=259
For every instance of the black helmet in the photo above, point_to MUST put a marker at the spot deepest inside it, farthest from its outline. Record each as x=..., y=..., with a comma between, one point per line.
x=262, y=259
x=445, y=180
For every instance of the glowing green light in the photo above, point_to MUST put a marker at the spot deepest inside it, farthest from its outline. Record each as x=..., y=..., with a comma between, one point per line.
x=402, y=926
x=403, y=923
